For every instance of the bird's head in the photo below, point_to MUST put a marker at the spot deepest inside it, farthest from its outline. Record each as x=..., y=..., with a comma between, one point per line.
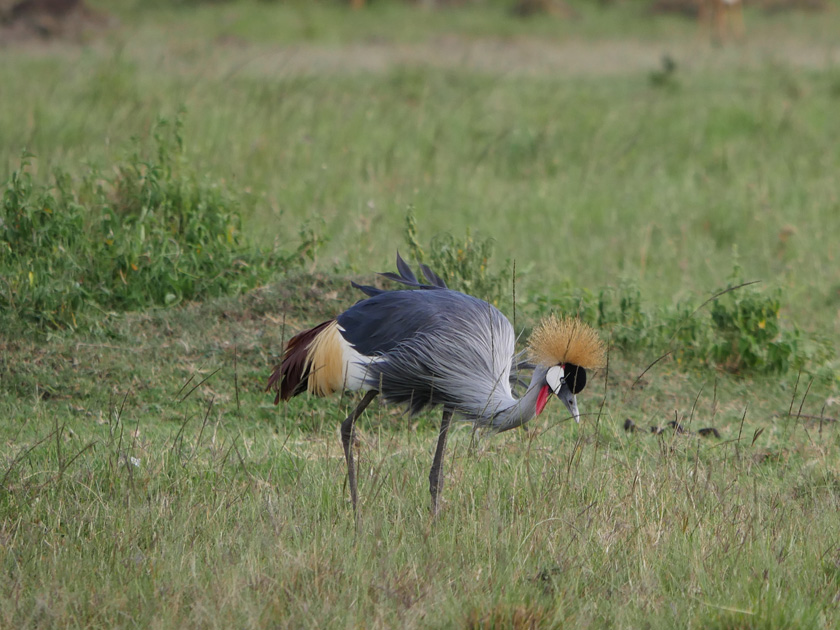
x=565, y=348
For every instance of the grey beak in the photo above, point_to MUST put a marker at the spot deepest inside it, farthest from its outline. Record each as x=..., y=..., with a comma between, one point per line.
x=565, y=394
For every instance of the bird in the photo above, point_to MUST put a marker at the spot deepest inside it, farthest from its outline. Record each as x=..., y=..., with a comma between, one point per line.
x=425, y=345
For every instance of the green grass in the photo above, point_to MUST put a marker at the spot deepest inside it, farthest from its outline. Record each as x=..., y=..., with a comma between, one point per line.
x=148, y=506
x=147, y=480
x=661, y=184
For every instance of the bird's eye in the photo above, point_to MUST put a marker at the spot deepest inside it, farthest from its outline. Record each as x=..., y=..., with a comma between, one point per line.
x=575, y=378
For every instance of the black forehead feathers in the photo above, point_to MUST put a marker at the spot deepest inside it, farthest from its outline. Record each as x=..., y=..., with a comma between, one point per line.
x=575, y=377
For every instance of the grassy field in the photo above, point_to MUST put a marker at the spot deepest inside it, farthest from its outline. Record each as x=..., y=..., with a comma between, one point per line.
x=146, y=479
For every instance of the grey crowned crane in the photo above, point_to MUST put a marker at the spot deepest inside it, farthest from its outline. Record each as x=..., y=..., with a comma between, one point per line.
x=428, y=346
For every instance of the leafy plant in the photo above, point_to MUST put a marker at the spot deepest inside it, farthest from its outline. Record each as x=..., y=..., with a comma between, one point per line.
x=743, y=332
x=463, y=264
x=155, y=234
x=749, y=333
x=740, y=331
x=41, y=251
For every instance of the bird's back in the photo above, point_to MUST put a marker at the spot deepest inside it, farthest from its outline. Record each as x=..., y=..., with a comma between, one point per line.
x=433, y=347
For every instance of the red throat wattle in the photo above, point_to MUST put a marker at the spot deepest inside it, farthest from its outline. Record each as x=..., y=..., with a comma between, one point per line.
x=542, y=399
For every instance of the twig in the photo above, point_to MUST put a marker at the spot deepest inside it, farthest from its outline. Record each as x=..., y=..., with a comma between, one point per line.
x=207, y=378
x=58, y=431
x=711, y=299
x=822, y=412
x=639, y=378
x=799, y=413
x=241, y=461
x=802, y=404
x=178, y=440
x=714, y=401
x=514, y=293
x=236, y=381
x=740, y=430
x=607, y=369
x=183, y=387
x=75, y=457
x=694, y=406
x=22, y=455
x=203, y=425
x=793, y=397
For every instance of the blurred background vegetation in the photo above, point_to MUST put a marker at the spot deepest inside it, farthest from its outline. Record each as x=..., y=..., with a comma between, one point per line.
x=646, y=152
x=184, y=184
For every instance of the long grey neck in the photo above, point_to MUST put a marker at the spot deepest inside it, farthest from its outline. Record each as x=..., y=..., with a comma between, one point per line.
x=523, y=409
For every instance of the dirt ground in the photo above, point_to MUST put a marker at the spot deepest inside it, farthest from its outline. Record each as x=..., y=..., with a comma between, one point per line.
x=24, y=20
x=55, y=27
x=536, y=57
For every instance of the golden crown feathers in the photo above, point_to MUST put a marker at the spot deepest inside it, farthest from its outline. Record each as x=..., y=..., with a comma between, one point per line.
x=566, y=340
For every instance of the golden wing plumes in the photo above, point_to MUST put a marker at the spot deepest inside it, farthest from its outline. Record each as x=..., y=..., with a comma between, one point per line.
x=566, y=340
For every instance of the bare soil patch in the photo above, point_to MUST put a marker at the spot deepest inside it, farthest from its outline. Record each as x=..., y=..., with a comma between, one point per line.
x=24, y=20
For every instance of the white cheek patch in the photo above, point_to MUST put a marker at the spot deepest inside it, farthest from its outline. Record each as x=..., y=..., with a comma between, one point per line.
x=554, y=378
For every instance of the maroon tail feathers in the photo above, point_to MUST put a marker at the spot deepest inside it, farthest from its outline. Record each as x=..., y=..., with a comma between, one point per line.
x=290, y=377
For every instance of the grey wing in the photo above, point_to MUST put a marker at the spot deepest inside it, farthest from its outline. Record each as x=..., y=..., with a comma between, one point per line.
x=434, y=347
x=378, y=324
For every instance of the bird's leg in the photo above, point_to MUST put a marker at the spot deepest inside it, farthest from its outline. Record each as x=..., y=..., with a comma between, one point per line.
x=347, y=441
x=436, y=474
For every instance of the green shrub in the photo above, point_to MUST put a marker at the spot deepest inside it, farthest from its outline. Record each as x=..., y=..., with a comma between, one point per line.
x=42, y=257
x=740, y=330
x=152, y=235
x=463, y=264
x=749, y=334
